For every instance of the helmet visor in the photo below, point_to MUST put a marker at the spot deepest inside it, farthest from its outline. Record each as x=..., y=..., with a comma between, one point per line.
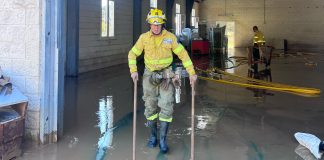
x=155, y=21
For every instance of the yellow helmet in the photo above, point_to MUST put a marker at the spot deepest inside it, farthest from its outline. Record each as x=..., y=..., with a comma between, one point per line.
x=156, y=16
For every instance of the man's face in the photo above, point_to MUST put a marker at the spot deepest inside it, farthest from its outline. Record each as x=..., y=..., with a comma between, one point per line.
x=156, y=29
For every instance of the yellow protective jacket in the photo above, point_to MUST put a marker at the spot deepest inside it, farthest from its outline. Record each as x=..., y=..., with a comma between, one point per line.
x=158, y=52
x=258, y=38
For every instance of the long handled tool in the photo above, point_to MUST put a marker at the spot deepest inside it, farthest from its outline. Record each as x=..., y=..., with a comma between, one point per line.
x=192, y=122
x=134, y=119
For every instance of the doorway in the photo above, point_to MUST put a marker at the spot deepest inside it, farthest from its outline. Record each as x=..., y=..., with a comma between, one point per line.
x=60, y=29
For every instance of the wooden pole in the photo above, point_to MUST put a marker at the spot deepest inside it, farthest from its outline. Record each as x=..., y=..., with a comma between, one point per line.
x=134, y=120
x=193, y=122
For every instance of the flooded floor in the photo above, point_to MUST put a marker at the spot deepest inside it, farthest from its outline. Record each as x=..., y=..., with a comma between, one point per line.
x=230, y=123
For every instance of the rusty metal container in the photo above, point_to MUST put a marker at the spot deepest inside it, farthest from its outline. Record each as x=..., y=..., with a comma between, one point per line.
x=12, y=124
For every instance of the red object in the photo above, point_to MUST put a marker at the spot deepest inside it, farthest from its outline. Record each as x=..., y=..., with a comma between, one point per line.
x=199, y=47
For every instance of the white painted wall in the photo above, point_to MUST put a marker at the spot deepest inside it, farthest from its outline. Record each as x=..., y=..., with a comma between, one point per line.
x=196, y=7
x=97, y=52
x=20, y=53
x=298, y=21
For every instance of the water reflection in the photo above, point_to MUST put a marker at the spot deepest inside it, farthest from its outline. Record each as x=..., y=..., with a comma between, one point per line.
x=207, y=116
x=68, y=115
x=202, y=121
x=105, y=124
x=264, y=75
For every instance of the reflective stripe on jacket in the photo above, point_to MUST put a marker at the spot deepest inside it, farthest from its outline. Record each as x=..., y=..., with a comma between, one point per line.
x=258, y=38
x=158, y=55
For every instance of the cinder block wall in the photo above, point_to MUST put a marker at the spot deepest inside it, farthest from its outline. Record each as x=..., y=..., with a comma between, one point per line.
x=96, y=52
x=298, y=21
x=20, y=53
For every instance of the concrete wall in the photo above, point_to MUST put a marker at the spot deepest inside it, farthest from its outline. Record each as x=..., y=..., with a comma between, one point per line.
x=196, y=7
x=298, y=21
x=97, y=52
x=20, y=53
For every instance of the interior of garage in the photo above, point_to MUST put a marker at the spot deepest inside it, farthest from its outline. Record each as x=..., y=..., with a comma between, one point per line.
x=246, y=120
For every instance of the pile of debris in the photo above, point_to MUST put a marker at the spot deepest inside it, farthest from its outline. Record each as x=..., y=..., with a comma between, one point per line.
x=5, y=84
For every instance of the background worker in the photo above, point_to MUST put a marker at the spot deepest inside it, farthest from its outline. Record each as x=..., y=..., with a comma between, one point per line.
x=158, y=45
x=259, y=48
x=258, y=37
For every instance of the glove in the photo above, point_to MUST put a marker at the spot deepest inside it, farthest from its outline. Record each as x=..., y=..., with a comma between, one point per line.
x=193, y=79
x=176, y=82
x=165, y=84
x=134, y=76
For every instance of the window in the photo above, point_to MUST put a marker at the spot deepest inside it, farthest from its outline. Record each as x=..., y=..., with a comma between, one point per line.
x=178, y=19
x=177, y=8
x=104, y=18
x=107, y=18
x=111, y=19
x=194, y=19
x=153, y=3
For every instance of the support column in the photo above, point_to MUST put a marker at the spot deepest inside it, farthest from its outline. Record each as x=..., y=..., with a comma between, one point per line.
x=72, y=55
x=189, y=5
x=137, y=19
x=169, y=11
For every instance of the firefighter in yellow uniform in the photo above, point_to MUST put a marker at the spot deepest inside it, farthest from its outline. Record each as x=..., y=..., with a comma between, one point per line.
x=258, y=51
x=258, y=37
x=158, y=45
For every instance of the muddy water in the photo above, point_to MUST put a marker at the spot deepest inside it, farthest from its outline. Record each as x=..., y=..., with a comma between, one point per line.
x=231, y=122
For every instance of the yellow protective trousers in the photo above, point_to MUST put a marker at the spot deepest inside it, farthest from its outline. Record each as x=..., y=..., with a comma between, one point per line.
x=155, y=97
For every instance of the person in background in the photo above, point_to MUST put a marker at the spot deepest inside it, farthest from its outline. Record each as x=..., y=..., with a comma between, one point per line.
x=259, y=49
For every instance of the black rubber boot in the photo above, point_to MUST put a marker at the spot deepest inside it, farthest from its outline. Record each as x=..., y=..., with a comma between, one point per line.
x=321, y=147
x=164, y=127
x=153, y=137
